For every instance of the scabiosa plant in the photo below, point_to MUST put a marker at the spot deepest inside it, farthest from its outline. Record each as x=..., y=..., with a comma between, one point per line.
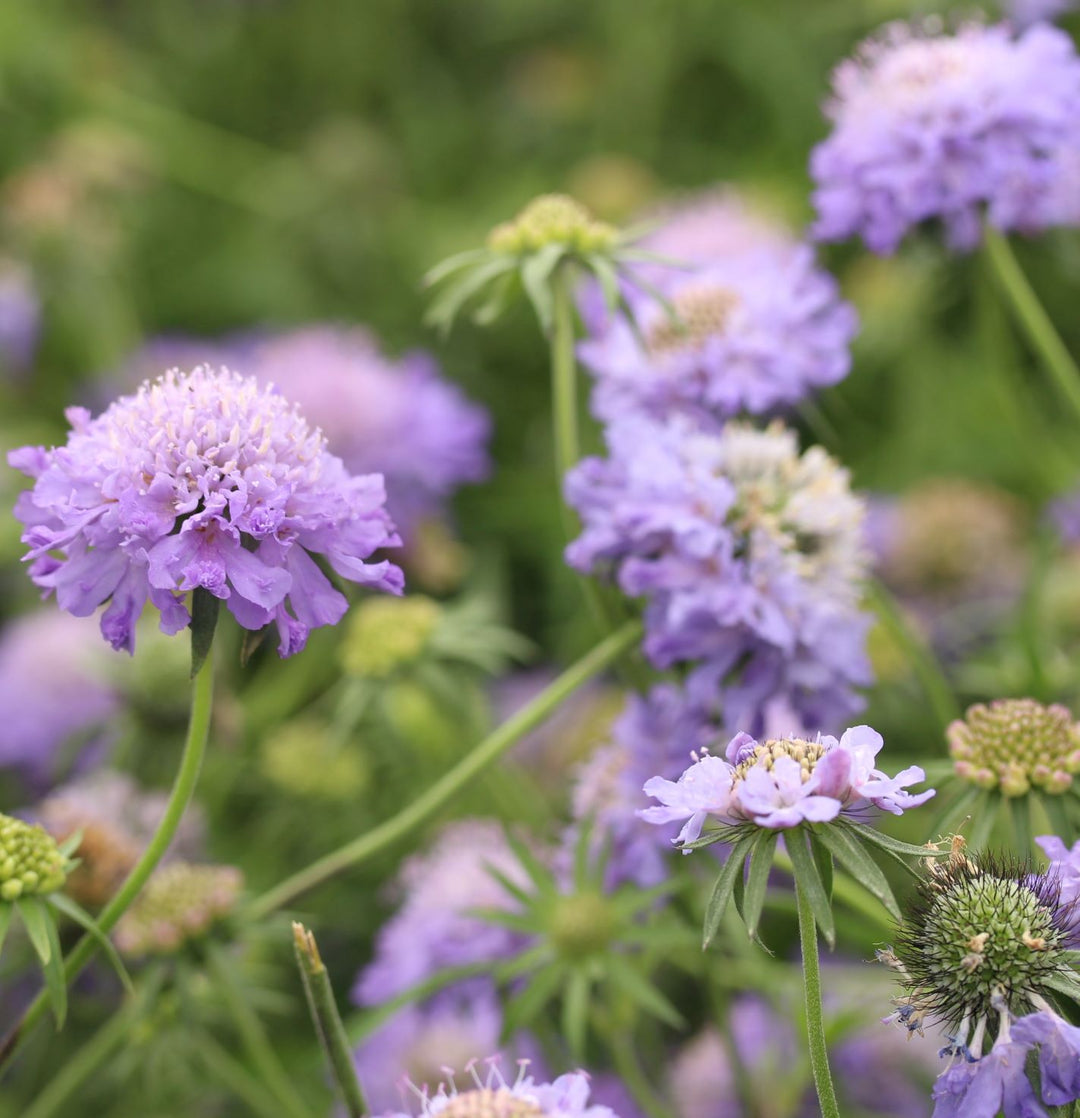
x=987, y=951
x=201, y=481
x=58, y=701
x=933, y=125
x=748, y=555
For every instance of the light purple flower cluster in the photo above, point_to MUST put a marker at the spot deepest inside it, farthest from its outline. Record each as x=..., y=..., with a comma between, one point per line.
x=749, y=557
x=930, y=125
x=51, y=694
x=398, y=417
x=201, y=480
x=759, y=324
x=780, y=783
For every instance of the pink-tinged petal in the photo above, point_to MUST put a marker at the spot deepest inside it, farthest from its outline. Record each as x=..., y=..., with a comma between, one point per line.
x=819, y=809
x=832, y=775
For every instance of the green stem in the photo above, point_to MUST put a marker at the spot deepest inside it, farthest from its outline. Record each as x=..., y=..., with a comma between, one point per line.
x=327, y=1021
x=815, y=1023
x=923, y=662
x=271, y=1074
x=1032, y=318
x=81, y=1066
x=182, y=789
x=486, y=753
x=564, y=400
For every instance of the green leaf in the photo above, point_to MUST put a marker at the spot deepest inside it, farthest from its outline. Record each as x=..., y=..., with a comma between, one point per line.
x=512, y=920
x=823, y=860
x=204, y=614
x=444, y=309
x=1063, y=985
x=887, y=842
x=453, y=264
x=68, y=847
x=535, y=273
x=757, y=881
x=7, y=911
x=983, y=818
x=581, y=853
x=1059, y=817
x=953, y=813
x=1020, y=809
x=503, y=291
x=725, y=885
x=36, y=920
x=709, y=838
x=857, y=861
x=524, y=1008
x=608, y=279
x=83, y=918
x=508, y=884
x=538, y=873
x=575, y=1012
x=808, y=880
x=638, y=988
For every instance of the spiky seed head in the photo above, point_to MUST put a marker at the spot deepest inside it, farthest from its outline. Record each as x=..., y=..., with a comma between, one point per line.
x=1014, y=744
x=30, y=860
x=385, y=634
x=552, y=219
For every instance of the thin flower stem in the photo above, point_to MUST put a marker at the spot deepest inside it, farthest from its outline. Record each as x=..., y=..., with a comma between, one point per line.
x=1032, y=318
x=923, y=662
x=183, y=786
x=327, y=1021
x=486, y=753
x=815, y=1023
x=253, y=1036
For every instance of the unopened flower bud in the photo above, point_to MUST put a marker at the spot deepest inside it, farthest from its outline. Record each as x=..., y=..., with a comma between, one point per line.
x=552, y=219
x=30, y=860
x=385, y=634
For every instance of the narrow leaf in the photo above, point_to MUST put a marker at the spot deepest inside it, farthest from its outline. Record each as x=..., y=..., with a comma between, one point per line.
x=757, y=881
x=538, y=873
x=823, y=860
x=857, y=861
x=55, y=978
x=83, y=918
x=809, y=881
x=725, y=885
x=575, y=1012
x=887, y=842
x=953, y=814
x=1020, y=809
x=36, y=920
x=444, y=309
x=204, y=614
x=640, y=990
x=535, y=273
x=68, y=847
x=983, y=818
x=452, y=264
x=525, y=1007
x=1059, y=818
x=608, y=279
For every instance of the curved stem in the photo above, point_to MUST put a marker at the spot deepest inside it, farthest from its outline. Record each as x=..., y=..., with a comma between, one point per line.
x=443, y=790
x=815, y=1024
x=182, y=789
x=1032, y=318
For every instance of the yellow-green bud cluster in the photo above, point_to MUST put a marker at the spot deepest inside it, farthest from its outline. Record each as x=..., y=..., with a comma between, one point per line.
x=582, y=925
x=300, y=759
x=385, y=634
x=553, y=219
x=806, y=753
x=1013, y=744
x=30, y=860
x=179, y=903
x=700, y=313
x=491, y=1102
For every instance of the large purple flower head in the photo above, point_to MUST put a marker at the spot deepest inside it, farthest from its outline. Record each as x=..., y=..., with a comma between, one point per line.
x=400, y=417
x=437, y=926
x=201, y=480
x=748, y=555
x=931, y=125
x=782, y=783
x=53, y=695
x=758, y=324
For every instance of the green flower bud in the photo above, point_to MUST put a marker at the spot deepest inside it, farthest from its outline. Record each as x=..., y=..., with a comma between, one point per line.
x=385, y=634
x=582, y=925
x=30, y=860
x=1014, y=744
x=552, y=219
x=301, y=759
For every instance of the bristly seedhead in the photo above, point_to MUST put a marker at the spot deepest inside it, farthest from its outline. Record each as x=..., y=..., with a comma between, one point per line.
x=30, y=860
x=552, y=219
x=984, y=933
x=1015, y=744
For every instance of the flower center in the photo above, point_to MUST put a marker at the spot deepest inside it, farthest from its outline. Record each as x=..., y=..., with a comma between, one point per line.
x=764, y=756
x=1013, y=744
x=486, y=1102
x=700, y=313
x=552, y=219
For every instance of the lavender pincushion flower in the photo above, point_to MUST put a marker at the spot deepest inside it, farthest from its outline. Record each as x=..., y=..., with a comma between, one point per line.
x=782, y=783
x=947, y=126
x=201, y=480
x=749, y=557
x=755, y=331
x=400, y=417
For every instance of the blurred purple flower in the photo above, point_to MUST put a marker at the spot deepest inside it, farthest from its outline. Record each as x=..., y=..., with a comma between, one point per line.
x=201, y=480
x=1023, y=13
x=1064, y=514
x=782, y=783
x=20, y=317
x=50, y=692
x=1064, y=867
x=749, y=557
x=948, y=126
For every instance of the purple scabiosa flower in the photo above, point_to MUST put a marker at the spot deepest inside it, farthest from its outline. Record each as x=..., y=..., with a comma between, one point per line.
x=782, y=783
x=116, y=819
x=1023, y=13
x=749, y=558
x=201, y=480
x=20, y=317
x=932, y=125
x=52, y=692
x=655, y=733
x=400, y=417
x=436, y=926
x=755, y=331
x=1064, y=865
x=493, y=1096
